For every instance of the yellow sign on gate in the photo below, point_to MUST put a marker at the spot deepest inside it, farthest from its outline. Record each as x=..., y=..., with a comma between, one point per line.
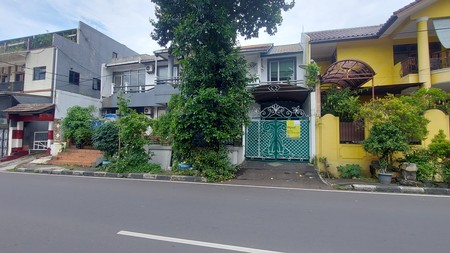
x=293, y=129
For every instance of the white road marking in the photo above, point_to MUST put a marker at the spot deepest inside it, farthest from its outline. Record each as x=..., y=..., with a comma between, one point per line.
x=195, y=243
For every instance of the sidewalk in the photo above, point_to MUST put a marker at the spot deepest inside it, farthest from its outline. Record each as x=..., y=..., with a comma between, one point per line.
x=373, y=186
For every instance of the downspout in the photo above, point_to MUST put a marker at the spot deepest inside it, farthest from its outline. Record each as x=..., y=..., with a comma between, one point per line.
x=55, y=62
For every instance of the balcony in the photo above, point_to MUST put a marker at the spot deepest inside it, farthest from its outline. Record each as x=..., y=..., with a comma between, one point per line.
x=11, y=87
x=438, y=60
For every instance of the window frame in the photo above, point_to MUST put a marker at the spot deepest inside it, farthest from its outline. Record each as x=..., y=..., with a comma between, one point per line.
x=74, y=77
x=39, y=73
x=96, y=83
x=269, y=68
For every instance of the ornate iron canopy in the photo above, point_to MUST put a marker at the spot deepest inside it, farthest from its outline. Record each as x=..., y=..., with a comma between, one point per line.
x=348, y=73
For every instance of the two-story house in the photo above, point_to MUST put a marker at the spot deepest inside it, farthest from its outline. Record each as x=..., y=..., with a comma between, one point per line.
x=42, y=76
x=281, y=127
x=409, y=51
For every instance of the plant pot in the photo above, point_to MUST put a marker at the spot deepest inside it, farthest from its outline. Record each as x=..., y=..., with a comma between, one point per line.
x=184, y=166
x=385, y=178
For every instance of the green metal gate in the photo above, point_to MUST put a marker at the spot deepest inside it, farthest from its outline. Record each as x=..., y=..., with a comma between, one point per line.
x=268, y=138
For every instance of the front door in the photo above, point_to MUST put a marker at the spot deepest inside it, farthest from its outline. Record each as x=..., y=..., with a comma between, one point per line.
x=279, y=134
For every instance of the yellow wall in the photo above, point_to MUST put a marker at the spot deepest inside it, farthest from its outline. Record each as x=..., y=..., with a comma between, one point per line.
x=438, y=120
x=328, y=146
x=378, y=53
x=440, y=76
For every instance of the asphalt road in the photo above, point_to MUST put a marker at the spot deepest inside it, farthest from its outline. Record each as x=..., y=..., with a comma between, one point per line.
x=45, y=213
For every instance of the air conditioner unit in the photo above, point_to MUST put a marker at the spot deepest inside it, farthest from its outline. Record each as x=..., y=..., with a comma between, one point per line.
x=150, y=69
x=148, y=110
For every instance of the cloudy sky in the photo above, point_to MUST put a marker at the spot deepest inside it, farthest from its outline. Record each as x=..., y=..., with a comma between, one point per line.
x=127, y=21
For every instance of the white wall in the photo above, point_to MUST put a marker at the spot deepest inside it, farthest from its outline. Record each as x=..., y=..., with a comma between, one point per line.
x=64, y=100
x=39, y=58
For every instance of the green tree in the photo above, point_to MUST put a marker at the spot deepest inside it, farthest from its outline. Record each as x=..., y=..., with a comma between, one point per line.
x=399, y=112
x=384, y=140
x=213, y=103
x=132, y=155
x=77, y=124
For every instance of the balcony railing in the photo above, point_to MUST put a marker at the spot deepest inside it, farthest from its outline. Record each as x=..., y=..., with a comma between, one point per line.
x=408, y=66
x=35, y=42
x=288, y=82
x=440, y=60
x=174, y=82
x=11, y=86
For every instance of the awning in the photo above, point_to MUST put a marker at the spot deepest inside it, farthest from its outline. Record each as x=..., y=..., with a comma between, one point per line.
x=350, y=73
x=442, y=28
x=30, y=108
x=280, y=92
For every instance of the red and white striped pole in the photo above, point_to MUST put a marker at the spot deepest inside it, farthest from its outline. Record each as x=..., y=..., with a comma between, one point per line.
x=17, y=137
x=50, y=136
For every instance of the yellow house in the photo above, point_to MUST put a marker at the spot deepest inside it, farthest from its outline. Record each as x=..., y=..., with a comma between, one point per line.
x=410, y=50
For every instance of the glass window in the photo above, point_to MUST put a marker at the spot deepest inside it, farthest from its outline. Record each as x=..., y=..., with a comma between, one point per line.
x=282, y=70
x=39, y=73
x=74, y=77
x=96, y=84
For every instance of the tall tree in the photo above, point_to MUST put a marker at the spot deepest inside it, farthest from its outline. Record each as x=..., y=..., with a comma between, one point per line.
x=213, y=103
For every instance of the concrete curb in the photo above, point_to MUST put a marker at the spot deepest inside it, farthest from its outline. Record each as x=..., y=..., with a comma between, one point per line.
x=400, y=189
x=147, y=176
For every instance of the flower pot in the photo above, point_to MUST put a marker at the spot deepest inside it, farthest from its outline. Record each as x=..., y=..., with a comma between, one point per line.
x=385, y=178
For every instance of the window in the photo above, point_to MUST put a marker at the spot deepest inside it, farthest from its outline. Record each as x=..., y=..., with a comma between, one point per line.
x=74, y=77
x=129, y=81
x=4, y=79
x=39, y=73
x=96, y=84
x=282, y=70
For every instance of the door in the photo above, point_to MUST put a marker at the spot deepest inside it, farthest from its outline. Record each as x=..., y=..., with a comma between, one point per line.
x=3, y=142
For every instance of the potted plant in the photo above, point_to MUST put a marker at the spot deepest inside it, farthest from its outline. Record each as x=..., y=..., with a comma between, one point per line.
x=383, y=141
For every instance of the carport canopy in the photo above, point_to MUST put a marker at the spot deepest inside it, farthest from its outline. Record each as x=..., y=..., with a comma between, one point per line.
x=351, y=73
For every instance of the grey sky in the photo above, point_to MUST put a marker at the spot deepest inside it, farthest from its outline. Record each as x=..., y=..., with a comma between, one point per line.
x=127, y=21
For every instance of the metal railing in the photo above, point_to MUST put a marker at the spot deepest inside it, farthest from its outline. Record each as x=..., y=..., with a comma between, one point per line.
x=408, y=66
x=11, y=86
x=440, y=60
x=287, y=82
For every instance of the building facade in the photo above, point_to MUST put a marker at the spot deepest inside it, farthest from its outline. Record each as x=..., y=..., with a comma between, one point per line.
x=43, y=75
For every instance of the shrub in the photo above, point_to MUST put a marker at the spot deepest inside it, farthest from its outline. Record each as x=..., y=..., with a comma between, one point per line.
x=214, y=165
x=426, y=165
x=350, y=170
x=106, y=138
x=440, y=146
x=341, y=103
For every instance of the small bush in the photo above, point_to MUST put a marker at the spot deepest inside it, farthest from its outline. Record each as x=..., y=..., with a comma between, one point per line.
x=350, y=170
x=214, y=165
